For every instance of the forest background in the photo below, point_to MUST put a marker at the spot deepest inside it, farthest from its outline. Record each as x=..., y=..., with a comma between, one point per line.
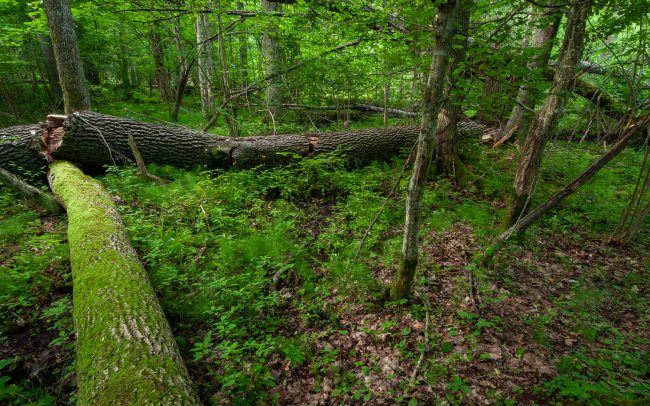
x=260, y=272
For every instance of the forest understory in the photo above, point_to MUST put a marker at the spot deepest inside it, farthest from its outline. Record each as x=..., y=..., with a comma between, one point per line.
x=256, y=272
x=324, y=202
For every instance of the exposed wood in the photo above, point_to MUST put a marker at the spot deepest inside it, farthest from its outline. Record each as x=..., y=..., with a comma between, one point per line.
x=125, y=351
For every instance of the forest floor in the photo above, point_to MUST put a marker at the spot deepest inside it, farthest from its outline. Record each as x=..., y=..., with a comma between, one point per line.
x=255, y=270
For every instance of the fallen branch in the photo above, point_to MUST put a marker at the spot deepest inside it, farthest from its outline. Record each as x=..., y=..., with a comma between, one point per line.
x=142, y=169
x=36, y=195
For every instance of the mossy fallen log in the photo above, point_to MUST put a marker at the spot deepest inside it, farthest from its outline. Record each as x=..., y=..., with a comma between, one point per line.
x=126, y=353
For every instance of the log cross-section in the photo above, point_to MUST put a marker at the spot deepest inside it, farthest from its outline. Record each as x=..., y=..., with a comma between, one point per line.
x=126, y=352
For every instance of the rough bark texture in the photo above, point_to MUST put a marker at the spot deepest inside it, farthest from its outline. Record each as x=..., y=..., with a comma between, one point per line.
x=526, y=99
x=126, y=352
x=97, y=139
x=626, y=138
x=272, y=57
x=19, y=151
x=206, y=69
x=66, y=53
x=444, y=27
x=446, y=158
x=546, y=120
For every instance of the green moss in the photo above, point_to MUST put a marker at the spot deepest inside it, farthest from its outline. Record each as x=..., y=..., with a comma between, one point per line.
x=126, y=353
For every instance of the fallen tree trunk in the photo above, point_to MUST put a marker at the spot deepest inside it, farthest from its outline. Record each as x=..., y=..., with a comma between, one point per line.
x=611, y=107
x=358, y=107
x=97, y=139
x=19, y=151
x=126, y=352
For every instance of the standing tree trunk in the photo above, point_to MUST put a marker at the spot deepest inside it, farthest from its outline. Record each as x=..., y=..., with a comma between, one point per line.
x=444, y=28
x=225, y=77
x=526, y=98
x=446, y=150
x=206, y=69
x=243, y=53
x=553, y=108
x=56, y=94
x=126, y=352
x=66, y=53
x=273, y=64
x=159, y=60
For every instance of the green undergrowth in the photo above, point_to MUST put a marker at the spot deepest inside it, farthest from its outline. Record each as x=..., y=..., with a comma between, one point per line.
x=253, y=266
x=36, y=363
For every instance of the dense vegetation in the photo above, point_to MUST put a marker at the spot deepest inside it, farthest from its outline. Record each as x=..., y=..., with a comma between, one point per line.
x=260, y=272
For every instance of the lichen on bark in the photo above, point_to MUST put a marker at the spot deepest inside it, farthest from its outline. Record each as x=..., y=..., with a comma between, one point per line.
x=126, y=353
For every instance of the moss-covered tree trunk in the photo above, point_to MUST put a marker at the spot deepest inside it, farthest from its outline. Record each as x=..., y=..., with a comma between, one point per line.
x=126, y=352
x=401, y=285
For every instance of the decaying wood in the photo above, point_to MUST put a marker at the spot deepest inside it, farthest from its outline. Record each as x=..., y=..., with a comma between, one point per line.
x=126, y=352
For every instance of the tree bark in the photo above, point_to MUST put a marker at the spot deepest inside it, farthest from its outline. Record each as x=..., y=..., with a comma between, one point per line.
x=444, y=27
x=66, y=53
x=273, y=63
x=206, y=69
x=446, y=158
x=243, y=53
x=95, y=139
x=546, y=120
x=162, y=78
x=627, y=137
x=543, y=39
x=126, y=352
x=19, y=151
x=180, y=91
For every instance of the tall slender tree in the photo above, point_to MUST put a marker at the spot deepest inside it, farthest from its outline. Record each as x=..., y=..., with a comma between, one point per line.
x=66, y=53
x=547, y=118
x=446, y=142
x=543, y=39
x=444, y=29
x=206, y=68
x=273, y=63
x=162, y=78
